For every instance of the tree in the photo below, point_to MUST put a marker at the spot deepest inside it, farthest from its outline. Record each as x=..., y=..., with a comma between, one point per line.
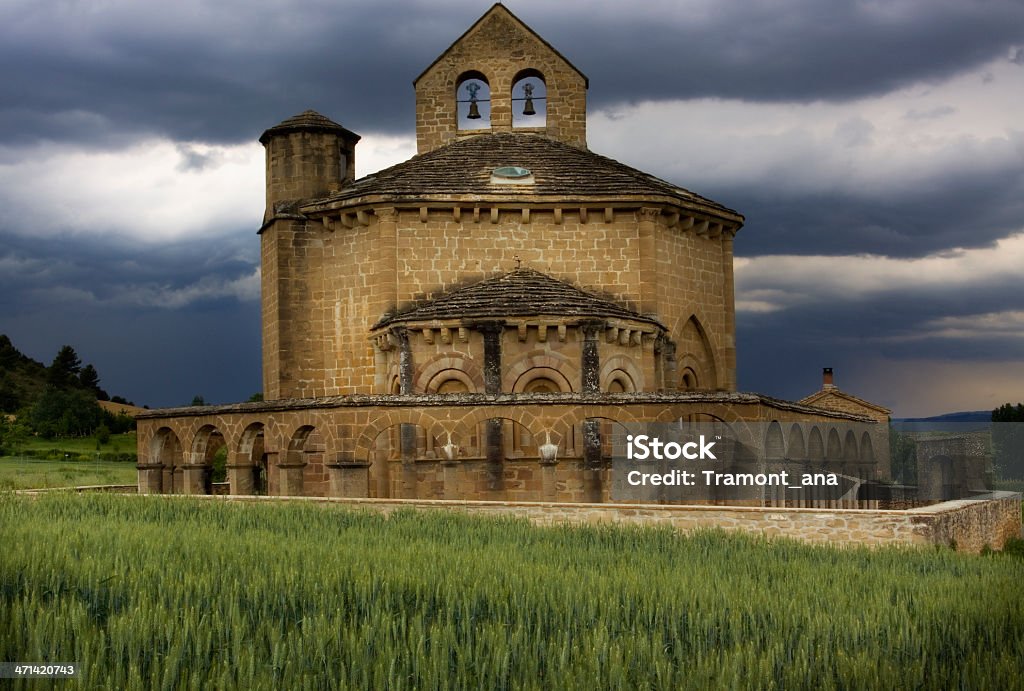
x=256, y=397
x=89, y=379
x=65, y=413
x=64, y=371
x=198, y=401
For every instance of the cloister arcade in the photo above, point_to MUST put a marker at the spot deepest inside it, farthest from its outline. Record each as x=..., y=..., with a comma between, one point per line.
x=477, y=446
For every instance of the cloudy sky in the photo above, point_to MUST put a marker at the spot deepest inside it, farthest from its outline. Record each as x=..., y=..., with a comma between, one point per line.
x=875, y=147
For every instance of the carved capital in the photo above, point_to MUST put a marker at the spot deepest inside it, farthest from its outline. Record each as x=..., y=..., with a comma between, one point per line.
x=387, y=214
x=649, y=214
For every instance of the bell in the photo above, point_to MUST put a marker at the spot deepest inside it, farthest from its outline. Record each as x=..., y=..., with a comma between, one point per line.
x=528, y=107
x=474, y=111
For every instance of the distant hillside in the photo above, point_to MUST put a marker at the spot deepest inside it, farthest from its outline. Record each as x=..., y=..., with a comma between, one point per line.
x=22, y=379
x=963, y=421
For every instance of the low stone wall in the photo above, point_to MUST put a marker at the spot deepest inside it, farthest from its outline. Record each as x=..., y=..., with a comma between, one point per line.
x=967, y=525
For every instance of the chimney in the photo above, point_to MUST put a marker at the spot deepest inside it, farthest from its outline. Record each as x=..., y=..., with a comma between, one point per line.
x=826, y=378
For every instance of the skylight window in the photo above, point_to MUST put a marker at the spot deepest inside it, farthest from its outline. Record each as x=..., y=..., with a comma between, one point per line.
x=511, y=175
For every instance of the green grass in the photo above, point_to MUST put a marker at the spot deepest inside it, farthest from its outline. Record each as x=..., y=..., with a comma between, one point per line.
x=31, y=473
x=119, y=443
x=164, y=592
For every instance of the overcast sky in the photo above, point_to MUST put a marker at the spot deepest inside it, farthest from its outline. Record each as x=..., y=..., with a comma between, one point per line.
x=876, y=149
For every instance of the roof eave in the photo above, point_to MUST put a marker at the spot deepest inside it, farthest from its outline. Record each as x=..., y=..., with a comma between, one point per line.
x=413, y=200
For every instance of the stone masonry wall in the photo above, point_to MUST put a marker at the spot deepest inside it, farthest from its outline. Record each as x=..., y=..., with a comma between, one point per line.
x=499, y=47
x=972, y=524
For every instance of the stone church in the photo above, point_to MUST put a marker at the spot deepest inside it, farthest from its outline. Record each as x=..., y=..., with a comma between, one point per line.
x=474, y=322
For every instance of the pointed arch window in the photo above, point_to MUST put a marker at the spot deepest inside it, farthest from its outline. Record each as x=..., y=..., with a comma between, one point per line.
x=529, y=99
x=473, y=101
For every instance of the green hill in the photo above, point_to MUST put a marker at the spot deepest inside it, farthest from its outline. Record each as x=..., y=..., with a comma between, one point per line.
x=22, y=379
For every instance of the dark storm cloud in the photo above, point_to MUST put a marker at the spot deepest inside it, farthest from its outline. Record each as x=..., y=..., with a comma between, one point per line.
x=225, y=71
x=852, y=336
x=955, y=210
x=157, y=325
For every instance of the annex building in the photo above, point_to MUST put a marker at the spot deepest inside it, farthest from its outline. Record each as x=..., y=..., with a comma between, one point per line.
x=480, y=320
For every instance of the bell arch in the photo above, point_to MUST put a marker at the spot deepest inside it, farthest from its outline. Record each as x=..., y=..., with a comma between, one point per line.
x=529, y=99
x=473, y=101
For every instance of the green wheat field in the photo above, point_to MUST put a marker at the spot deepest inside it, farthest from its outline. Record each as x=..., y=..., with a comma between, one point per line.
x=176, y=593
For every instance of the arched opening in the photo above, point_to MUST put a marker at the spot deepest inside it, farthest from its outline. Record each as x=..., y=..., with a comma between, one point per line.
x=540, y=380
x=210, y=451
x=834, y=450
x=529, y=99
x=774, y=445
x=252, y=453
x=165, y=449
x=688, y=380
x=450, y=381
x=797, y=450
x=473, y=101
x=815, y=445
x=619, y=381
x=694, y=352
x=867, y=450
x=850, y=447
x=302, y=471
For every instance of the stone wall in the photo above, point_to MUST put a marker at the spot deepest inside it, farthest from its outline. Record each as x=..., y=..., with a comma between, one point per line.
x=967, y=525
x=325, y=286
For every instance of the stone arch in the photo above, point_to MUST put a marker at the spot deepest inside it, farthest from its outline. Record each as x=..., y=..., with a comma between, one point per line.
x=207, y=443
x=622, y=369
x=850, y=452
x=619, y=381
x=542, y=380
x=165, y=449
x=444, y=366
x=251, y=452
x=375, y=425
x=774, y=444
x=834, y=450
x=541, y=358
x=867, y=451
x=796, y=448
x=695, y=351
x=688, y=380
x=815, y=445
x=450, y=381
x=300, y=469
x=529, y=90
x=471, y=86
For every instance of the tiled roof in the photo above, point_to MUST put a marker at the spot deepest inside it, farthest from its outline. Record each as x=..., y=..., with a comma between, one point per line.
x=825, y=393
x=520, y=293
x=464, y=168
x=308, y=120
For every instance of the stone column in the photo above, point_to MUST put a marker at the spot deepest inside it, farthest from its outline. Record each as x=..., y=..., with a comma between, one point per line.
x=194, y=478
x=648, y=260
x=289, y=474
x=590, y=358
x=150, y=478
x=493, y=443
x=406, y=431
x=348, y=478
x=590, y=364
x=728, y=380
x=241, y=474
